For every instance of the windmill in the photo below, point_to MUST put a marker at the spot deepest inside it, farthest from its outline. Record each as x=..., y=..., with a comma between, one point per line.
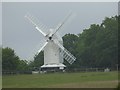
x=54, y=52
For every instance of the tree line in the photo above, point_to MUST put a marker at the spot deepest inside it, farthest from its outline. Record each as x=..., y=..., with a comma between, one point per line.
x=95, y=47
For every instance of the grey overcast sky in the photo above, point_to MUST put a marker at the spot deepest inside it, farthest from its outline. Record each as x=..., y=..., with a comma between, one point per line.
x=21, y=36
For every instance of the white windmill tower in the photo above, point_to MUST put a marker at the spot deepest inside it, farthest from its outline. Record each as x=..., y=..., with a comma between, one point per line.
x=54, y=52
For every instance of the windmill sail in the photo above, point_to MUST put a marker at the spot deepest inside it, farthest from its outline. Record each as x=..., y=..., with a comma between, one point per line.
x=65, y=53
x=63, y=22
x=39, y=26
x=68, y=56
x=42, y=47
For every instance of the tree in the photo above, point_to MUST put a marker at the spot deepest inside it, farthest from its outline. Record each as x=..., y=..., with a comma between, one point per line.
x=39, y=59
x=97, y=46
x=9, y=59
x=22, y=66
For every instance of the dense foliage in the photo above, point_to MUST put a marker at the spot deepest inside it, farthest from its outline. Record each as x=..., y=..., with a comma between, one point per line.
x=96, y=47
x=10, y=61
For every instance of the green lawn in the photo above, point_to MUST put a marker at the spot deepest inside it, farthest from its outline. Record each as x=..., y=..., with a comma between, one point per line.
x=65, y=80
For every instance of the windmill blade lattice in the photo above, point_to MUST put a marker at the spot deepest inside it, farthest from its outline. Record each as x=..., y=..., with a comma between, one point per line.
x=36, y=23
x=68, y=56
x=63, y=22
x=42, y=47
x=65, y=53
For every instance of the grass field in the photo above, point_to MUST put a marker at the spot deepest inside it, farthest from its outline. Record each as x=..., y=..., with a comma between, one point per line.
x=63, y=80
